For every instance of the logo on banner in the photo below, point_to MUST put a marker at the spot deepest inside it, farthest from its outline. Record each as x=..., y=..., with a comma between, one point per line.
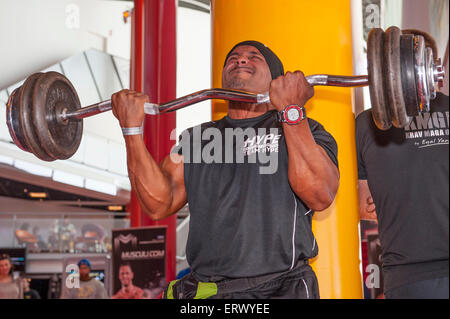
x=135, y=253
x=125, y=239
x=429, y=129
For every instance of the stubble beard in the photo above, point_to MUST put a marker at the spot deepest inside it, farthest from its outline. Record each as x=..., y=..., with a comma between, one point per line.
x=234, y=83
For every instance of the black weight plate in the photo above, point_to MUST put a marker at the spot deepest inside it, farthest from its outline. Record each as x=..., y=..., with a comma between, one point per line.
x=393, y=77
x=408, y=74
x=375, y=53
x=52, y=93
x=26, y=121
x=13, y=120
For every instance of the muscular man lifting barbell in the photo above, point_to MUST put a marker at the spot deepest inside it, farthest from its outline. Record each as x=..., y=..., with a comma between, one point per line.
x=244, y=224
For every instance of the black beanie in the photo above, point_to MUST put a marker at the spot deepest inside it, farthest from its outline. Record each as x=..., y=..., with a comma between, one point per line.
x=274, y=63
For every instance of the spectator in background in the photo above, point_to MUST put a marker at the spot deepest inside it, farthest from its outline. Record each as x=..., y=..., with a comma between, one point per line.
x=29, y=293
x=89, y=287
x=10, y=288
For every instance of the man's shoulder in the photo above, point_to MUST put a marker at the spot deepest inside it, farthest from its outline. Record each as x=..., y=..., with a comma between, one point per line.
x=95, y=282
x=364, y=115
x=316, y=127
x=364, y=122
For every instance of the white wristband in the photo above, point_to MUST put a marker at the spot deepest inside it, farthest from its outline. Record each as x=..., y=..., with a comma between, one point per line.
x=132, y=130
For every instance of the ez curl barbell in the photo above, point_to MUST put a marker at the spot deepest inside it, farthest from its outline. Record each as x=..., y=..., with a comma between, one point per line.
x=44, y=115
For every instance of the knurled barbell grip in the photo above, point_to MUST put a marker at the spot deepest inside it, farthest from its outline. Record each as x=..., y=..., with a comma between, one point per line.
x=338, y=80
x=225, y=94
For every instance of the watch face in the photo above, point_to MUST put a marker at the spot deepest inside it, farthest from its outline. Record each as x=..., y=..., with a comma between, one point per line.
x=293, y=114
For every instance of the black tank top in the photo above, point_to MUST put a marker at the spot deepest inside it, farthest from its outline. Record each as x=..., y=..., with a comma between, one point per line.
x=245, y=220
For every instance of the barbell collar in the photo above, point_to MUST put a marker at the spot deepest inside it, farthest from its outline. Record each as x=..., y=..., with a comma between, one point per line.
x=439, y=73
x=423, y=89
x=432, y=84
x=338, y=80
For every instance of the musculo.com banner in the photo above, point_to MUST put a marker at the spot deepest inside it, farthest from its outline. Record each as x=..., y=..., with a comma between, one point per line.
x=139, y=256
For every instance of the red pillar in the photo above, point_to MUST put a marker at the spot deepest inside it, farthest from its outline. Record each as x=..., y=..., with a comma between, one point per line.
x=159, y=83
x=136, y=82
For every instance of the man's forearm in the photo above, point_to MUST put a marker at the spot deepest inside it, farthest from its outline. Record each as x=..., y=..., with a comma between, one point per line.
x=152, y=188
x=312, y=174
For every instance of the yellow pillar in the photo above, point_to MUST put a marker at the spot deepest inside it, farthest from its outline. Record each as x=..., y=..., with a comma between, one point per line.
x=314, y=37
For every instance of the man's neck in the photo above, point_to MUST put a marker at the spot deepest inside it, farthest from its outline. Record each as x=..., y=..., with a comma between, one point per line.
x=239, y=110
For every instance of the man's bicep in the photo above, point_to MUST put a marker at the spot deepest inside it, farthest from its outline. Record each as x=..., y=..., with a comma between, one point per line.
x=173, y=167
x=366, y=204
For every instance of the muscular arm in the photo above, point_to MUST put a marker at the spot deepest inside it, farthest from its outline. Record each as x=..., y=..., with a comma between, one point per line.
x=159, y=188
x=366, y=205
x=312, y=174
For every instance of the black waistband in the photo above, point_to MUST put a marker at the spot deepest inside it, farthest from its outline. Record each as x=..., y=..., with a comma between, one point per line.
x=229, y=285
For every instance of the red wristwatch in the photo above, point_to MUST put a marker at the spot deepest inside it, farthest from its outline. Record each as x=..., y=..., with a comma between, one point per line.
x=292, y=114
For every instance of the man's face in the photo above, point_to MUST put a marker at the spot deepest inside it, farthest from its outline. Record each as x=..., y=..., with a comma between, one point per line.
x=246, y=69
x=125, y=276
x=84, y=271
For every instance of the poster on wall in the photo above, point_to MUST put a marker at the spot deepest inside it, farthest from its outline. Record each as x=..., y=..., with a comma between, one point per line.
x=139, y=258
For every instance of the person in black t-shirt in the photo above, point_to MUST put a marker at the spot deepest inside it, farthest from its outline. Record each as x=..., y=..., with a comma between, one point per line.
x=252, y=180
x=404, y=184
x=29, y=293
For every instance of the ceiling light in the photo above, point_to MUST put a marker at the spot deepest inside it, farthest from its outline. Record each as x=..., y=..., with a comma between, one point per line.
x=115, y=208
x=126, y=14
x=37, y=194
